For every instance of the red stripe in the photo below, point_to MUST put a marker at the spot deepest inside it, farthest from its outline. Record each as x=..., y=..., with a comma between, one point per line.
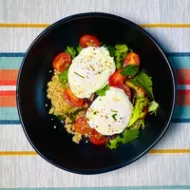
x=8, y=93
x=8, y=82
x=183, y=92
x=184, y=82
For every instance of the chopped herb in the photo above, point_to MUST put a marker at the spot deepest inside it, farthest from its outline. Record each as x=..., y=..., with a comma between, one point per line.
x=79, y=75
x=92, y=67
x=102, y=92
x=130, y=70
x=63, y=76
x=73, y=115
x=114, y=116
x=114, y=110
x=71, y=50
x=95, y=112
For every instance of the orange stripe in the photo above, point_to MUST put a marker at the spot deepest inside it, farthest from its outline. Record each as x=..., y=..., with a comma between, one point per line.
x=44, y=25
x=8, y=101
x=158, y=151
x=8, y=75
x=170, y=151
x=18, y=153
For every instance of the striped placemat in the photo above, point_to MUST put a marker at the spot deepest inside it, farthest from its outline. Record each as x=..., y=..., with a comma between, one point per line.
x=166, y=166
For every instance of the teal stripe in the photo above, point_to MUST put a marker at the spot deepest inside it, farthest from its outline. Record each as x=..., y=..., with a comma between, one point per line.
x=182, y=112
x=8, y=113
x=10, y=62
x=171, y=187
x=178, y=62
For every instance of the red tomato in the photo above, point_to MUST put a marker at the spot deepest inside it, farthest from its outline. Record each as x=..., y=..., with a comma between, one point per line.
x=61, y=61
x=97, y=139
x=127, y=90
x=116, y=79
x=131, y=58
x=72, y=99
x=81, y=126
x=89, y=40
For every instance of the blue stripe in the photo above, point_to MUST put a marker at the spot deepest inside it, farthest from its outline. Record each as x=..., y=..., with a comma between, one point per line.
x=178, y=54
x=9, y=113
x=12, y=54
x=182, y=112
x=183, y=87
x=13, y=60
x=171, y=187
x=9, y=122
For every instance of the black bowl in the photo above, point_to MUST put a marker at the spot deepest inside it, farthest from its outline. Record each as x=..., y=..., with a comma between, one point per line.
x=55, y=145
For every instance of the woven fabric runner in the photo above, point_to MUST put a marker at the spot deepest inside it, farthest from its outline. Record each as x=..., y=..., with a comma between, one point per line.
x=166, y=166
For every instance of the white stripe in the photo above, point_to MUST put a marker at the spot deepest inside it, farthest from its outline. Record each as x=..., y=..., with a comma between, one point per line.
x=34, y=172
x=19, y=39
x=7, y=88
x=144, y=11
x=13, y=138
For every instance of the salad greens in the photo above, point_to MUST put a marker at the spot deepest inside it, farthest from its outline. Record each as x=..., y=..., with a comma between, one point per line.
x=63, y=76
x=153, y=106
x=71, y=50
x=102, y=92
x=137, y=112
x=130, y=70
x=125, y=137
x=144, y=81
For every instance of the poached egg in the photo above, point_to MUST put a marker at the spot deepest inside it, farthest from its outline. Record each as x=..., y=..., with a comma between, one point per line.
x=110, y=114
x=90, y=71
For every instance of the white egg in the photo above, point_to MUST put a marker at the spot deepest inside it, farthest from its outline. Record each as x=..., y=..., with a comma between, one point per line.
x=110, y=114
x=90, y=71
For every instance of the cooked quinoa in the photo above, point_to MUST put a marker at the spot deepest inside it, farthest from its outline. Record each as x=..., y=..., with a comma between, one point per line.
x=61, y=107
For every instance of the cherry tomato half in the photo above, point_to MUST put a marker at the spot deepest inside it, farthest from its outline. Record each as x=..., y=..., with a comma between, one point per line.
x=116, y=79
x=97, y=139
x=127, y=90
x=72, y=99
x=61, y=61
x=131, y=58
x=89, y=40
x=81, y=126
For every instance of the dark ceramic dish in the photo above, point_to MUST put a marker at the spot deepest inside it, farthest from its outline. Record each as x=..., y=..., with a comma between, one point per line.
x=55, y=145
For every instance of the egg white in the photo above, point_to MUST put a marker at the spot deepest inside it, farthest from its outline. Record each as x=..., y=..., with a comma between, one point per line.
x=110, y=114
x=90, y=71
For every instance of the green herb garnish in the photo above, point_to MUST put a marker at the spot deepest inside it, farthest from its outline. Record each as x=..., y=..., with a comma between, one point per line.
x=130, y=70
x=114, y=116
x=102, y=92
x=79, y=75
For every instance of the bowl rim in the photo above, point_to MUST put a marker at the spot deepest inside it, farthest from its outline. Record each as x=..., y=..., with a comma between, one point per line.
x=93, y=15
